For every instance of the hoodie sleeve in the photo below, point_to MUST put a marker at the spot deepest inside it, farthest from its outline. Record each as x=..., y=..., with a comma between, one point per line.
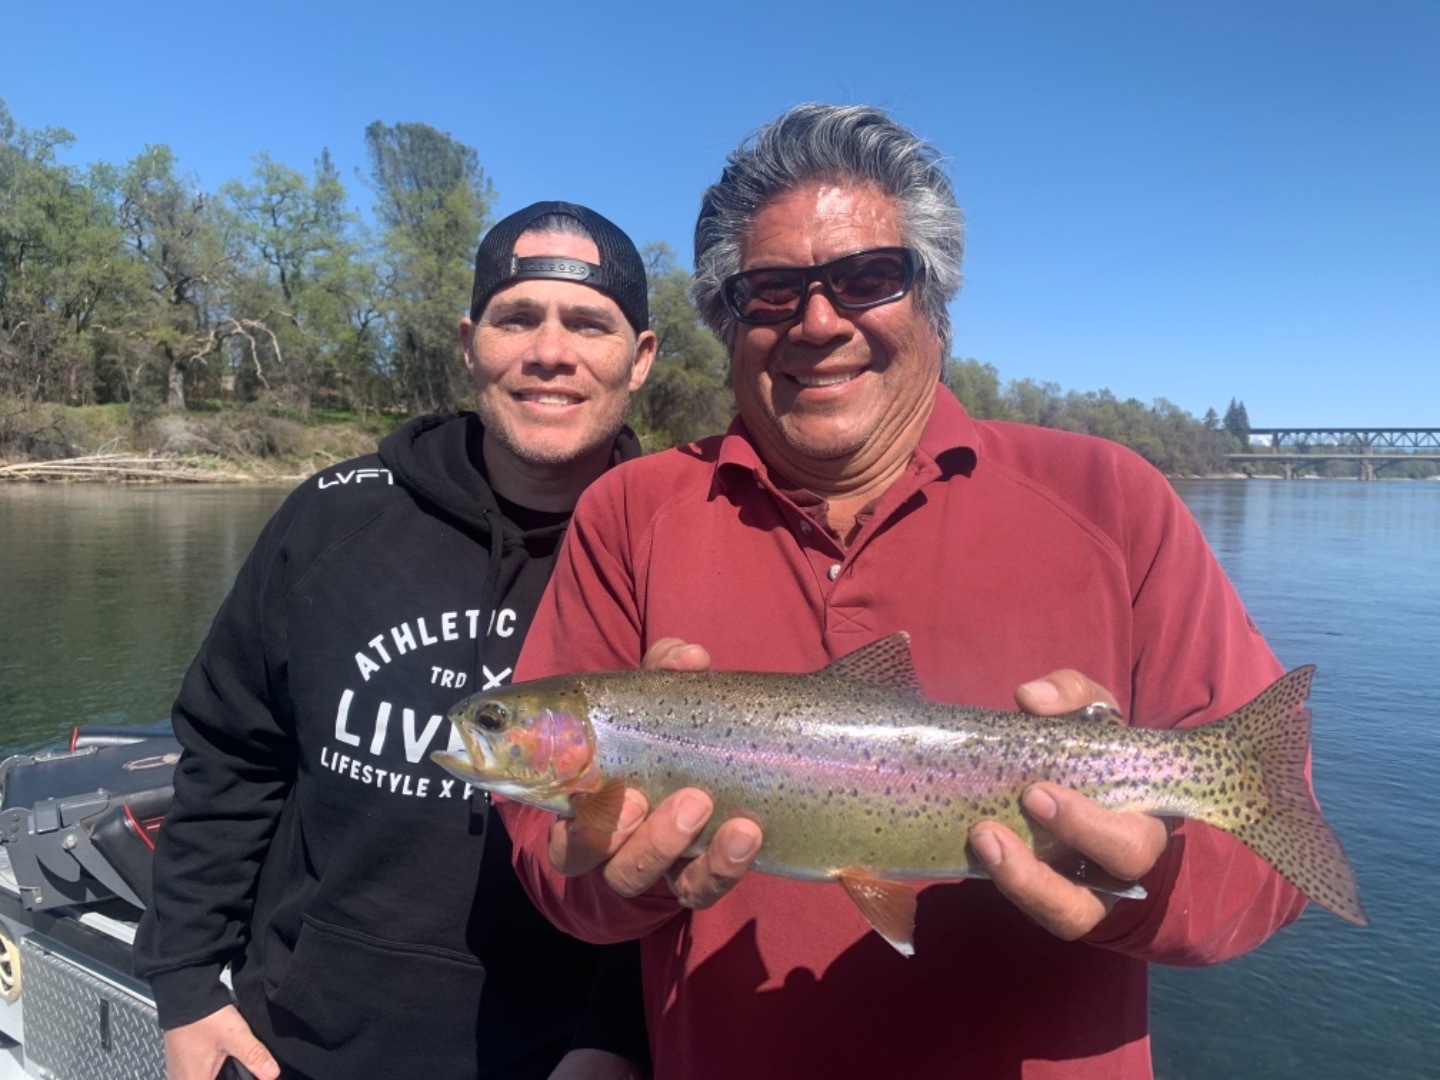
x=237, y=767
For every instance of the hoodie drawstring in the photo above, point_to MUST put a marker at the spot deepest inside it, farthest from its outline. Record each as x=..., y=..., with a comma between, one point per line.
x=489, y=599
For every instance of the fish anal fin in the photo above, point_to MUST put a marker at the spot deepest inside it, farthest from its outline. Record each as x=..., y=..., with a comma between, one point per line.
x=600, y=810
x=888, y=906
x=885, y=662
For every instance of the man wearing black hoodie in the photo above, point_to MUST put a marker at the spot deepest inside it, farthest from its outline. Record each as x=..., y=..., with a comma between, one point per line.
x=363, y=900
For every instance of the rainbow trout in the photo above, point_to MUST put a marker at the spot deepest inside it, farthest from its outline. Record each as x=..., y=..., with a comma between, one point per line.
x=854, y=777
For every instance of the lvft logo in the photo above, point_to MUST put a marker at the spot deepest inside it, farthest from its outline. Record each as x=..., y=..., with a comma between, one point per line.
x=355, y=476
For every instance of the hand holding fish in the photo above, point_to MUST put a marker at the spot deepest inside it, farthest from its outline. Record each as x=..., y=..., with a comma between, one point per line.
x=644, y=849
x=1127, y=844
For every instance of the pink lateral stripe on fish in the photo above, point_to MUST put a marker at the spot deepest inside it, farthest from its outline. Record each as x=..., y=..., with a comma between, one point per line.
x=854, y=777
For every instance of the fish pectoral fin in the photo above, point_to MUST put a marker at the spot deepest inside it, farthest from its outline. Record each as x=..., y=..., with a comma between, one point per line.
x=1069, y=863
x=888, y=906
x=600, y=810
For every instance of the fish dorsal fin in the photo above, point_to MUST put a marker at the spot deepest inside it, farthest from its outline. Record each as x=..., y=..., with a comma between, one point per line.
x=881, y=663
x=600, y=810
x=888, y=906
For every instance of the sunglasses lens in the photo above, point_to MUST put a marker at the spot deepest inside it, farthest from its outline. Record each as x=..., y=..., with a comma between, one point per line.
x=862, y=280
x=766, y=296
x=867, y=279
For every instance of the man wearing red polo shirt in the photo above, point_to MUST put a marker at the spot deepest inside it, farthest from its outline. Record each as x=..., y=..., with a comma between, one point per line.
x=853, y=498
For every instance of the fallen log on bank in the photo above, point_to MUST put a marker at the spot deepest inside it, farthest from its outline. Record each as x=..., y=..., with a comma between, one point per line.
x=121, y=468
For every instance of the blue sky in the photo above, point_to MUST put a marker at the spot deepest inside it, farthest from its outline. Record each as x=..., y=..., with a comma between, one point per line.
x=1188, y=199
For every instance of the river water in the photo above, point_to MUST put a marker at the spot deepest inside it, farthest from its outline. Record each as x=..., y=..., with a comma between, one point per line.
x=105, y=592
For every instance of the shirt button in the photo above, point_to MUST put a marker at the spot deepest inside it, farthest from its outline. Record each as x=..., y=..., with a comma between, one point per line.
x=834, y=571
x=805, y=527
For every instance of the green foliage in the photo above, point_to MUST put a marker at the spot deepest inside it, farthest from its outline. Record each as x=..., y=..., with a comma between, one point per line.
x=269, y=308
x=183, y=261
x=1237, y=421
x=431, y=202
x=688, y=393
x=131, y=283
x=1162, y=433
x=60, y=271
x=303, y=286
x=34, y=431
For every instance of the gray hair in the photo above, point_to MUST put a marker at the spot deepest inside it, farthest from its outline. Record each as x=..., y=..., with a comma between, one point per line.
x=845, y=143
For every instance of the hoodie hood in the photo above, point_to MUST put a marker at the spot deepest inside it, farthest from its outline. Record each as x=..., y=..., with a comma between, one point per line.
x=438, y=459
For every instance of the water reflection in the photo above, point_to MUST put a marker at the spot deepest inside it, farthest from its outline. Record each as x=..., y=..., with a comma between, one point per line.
x=106, y=591
x=1343, y=575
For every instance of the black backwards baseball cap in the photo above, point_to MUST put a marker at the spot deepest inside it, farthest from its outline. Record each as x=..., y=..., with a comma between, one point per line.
x=620, y=275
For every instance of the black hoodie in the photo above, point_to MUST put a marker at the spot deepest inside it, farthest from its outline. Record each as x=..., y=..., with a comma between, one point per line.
x=363, y=897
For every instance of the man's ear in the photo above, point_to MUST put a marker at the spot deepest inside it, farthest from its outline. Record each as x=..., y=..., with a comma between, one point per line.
x=467, y=335
x=646, y=346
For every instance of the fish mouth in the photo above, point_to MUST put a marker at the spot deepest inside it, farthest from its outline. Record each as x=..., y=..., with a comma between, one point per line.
x=458, y=765
x=484, y=762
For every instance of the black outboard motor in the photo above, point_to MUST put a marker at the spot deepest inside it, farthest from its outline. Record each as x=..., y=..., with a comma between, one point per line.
x=79, y=825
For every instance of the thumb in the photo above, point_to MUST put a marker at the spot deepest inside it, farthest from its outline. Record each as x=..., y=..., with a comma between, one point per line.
x=250, y=1052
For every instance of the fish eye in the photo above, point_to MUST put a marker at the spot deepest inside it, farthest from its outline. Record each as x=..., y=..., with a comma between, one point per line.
x=491, y=716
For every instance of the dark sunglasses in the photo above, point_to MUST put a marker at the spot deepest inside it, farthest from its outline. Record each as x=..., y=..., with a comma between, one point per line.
x=852, y=283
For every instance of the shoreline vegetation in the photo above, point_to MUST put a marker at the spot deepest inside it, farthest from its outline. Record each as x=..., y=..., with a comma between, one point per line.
x=218, y=443
x=153, y=330
x=115, y=443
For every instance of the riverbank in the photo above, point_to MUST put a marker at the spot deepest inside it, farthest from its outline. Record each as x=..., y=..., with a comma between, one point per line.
x=219, y=445
x=225, y=444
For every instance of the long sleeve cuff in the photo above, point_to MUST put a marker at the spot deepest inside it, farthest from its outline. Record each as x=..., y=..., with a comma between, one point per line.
x=185, y=995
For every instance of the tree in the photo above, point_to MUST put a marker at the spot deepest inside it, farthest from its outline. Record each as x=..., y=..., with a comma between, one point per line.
x=977, y=386
x=688, y=393
x=303, y=279
x=170, y=226
x=1237, y=421
x=431, y=203
x=1034, y=403
x=59, y=263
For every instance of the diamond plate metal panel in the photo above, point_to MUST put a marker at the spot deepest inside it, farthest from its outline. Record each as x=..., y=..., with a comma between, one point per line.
x=79, y=1027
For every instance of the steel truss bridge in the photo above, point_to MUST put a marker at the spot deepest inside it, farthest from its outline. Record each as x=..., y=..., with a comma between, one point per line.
x=1369, y=449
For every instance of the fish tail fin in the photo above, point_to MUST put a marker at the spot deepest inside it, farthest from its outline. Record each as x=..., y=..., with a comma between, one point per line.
x=1274, y=813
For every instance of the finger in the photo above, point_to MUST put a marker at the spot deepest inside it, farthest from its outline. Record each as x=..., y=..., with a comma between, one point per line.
x=661, y=839
x=253, y=1055
x=672, y=654
x=1061, y=692
x=576, y=848
x=1126, y=844
x=719, y=868
x=1067, y=910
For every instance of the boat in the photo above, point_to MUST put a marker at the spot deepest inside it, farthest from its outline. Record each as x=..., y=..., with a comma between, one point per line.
x=77, y=837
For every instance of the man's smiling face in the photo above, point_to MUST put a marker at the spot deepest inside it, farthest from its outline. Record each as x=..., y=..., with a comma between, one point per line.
x=553, y=364
x=831, y=391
